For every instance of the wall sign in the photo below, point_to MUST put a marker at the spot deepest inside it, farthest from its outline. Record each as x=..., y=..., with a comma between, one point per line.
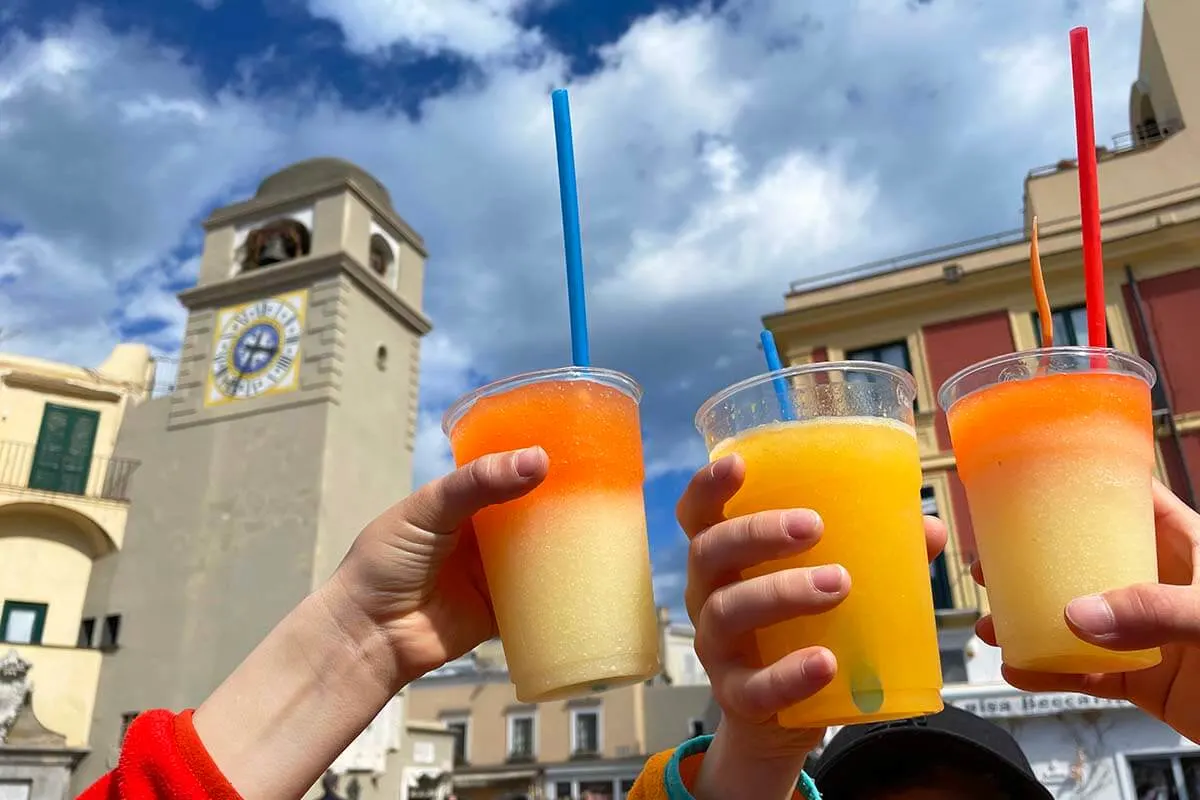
x=1020, y=704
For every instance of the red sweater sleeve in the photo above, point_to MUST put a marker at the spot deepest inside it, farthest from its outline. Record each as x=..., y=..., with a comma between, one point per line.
x=162, y=757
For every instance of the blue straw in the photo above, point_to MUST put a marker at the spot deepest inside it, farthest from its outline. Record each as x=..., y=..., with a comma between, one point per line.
x=774, y=365
x=569, y=194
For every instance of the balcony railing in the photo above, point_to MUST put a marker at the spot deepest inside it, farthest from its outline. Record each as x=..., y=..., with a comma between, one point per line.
x=1143, y=136
x=106, y=478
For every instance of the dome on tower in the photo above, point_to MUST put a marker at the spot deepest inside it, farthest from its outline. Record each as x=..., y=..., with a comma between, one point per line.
x=304, y=175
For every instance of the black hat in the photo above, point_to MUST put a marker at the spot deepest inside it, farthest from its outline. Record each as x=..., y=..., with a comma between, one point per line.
x=953, y=738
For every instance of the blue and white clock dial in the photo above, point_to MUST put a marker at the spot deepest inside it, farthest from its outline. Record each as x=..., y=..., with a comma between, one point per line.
x=257, y=349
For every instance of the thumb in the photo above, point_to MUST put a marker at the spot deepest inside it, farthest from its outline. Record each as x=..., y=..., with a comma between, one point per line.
x=1139, y=617
x=441, y=506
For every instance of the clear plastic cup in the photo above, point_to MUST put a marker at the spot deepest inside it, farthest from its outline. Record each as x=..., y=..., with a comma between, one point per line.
x=842, y=443
x=1056, y=450
x=568, y=565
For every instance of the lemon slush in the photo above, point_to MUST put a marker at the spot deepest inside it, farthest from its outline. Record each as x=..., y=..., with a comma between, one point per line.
x=851, y=455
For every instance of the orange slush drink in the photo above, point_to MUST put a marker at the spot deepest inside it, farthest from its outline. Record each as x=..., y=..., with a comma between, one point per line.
x=1057, y=469
x=862, y=474
x=568, y=565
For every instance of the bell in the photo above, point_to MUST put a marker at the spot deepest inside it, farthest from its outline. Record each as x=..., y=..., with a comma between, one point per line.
x=274, y=249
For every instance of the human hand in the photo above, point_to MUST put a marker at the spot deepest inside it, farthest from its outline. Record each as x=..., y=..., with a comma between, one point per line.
x=414, y=572
x=409, y=596
x=1166, y=615
x=751, y=748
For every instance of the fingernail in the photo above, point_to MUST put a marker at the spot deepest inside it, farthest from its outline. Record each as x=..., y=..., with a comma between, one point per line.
x=818, y=666
x=721, y=468
x=1092, y=615
x=830, y=579
x=529, y=461
x=801, y=523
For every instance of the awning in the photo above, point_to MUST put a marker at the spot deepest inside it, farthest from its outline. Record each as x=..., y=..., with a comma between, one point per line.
x=484, y=778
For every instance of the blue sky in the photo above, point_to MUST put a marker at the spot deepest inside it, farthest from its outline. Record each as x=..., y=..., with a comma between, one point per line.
x=723, y=149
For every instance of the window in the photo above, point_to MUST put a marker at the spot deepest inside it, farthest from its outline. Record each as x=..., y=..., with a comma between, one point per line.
x=562, y=789
x=16, y=789
x=126, y=721
x=894, y=353
x=460, y=727
x=281, y=240
x=62, y=459
x=626, y=788
x=939, y=571
x=595, y=790
x=954, y=666
x=585, y=731
x=695, y=728
x=380, y=255
x=520, y=736
x=1070, y=327
x=87, y=632
x=22, y=623
x=110, y=636
x=1166, y=777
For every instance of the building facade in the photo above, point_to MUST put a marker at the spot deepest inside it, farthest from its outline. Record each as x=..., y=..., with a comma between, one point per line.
x=126, y=592
x=588, y=748
x=936, y=312
x=64, y=506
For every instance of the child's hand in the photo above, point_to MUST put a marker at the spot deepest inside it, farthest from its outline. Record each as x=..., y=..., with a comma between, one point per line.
x=414, y=573
x=752, y=756
x=409, y=596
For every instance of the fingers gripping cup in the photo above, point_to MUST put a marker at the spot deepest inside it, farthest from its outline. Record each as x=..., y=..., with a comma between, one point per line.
x=1056, y=450
x=838, y=438
x=568, y=565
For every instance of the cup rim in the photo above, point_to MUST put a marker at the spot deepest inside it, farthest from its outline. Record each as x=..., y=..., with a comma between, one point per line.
x=877, y=367
x=1136, y=365
x=610, y=377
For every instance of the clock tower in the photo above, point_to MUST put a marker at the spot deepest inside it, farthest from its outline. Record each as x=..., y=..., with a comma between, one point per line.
x=292, y=424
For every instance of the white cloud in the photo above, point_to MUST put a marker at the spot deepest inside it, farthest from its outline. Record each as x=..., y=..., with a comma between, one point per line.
x=433, y=458
x=679, y=455
x=744, y=232
x=476, y=29
x=445, y=375
x=1028, y=74
x=721, y=153
x=38, y=277
x=110, y=149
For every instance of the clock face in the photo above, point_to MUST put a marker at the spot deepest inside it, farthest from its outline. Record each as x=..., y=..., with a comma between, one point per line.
x=257, y=348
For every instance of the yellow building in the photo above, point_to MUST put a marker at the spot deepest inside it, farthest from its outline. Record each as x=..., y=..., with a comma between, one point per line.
x=63, y=505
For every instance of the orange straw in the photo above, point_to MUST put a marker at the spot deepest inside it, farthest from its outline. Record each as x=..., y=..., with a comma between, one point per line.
x=1039, y=290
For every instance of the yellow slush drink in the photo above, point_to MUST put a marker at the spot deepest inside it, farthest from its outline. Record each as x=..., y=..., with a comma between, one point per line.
x=1056, y=451
x=847, y=459
x=568, y=565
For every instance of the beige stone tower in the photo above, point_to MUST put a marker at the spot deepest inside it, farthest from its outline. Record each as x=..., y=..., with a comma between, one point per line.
x=292, y=425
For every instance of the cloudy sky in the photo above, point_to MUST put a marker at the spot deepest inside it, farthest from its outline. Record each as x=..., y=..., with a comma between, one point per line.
x=724, y=148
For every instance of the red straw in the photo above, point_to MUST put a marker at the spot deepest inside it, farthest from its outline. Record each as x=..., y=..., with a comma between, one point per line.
x=1089, y=194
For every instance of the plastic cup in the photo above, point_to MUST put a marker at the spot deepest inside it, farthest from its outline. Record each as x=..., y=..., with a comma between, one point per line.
x=1056, y=450
x=850, y=454
x=568, y=565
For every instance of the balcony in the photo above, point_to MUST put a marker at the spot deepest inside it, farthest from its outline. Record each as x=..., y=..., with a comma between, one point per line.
x=104, y=478
x=91, y=495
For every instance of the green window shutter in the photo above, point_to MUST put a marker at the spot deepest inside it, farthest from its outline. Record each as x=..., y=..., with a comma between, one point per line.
x=62, y=459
